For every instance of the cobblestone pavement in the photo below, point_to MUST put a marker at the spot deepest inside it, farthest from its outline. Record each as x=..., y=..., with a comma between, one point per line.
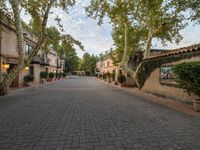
x=84, y=114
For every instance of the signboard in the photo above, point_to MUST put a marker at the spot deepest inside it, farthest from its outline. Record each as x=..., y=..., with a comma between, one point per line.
x=167, y=75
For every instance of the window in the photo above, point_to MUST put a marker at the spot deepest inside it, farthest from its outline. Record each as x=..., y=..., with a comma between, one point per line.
x=108, y=64
x=28, y=49
x=31, y=70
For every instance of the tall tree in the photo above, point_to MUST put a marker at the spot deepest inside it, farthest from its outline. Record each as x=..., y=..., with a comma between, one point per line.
x=191, y=6
x=88, y=63
x=67, y=51
x=39, y=11
x=154, y=18
x=53, y=38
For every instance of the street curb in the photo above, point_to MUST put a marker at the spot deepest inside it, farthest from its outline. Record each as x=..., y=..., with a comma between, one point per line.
x=33, y=86
x=167, y=102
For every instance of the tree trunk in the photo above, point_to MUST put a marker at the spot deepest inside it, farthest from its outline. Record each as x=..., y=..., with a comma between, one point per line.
x=124, y=58
x=149, y=43
x=17, y=21
x=22, y=62
x=146, y=54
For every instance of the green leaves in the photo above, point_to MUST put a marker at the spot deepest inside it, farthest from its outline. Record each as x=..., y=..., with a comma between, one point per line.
x=88, y=63
x=188, y=76
x=147, y=18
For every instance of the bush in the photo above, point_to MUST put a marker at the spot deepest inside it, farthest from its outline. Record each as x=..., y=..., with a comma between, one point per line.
x=188, y=76
x=64, y=74
x=104, y=76
x=121, y=78
x=113, y=76
x=100, y=76
x=43, y=75
x=59, y=75
x=51, y=75
x=108, y=74
x=29, y=78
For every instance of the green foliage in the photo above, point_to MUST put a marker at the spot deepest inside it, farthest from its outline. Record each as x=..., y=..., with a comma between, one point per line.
x=29, y=78
x=43, y=75
x=192, y=6
x=67, y=51
x=53, y=37
x=104, y=76
x=51, y=75
x=188, y=76
x=108, y=74
x=136, y=23
x=88, y=63
x=121, y=78
x=100, y=76
x=113, y=76
x=64, y=74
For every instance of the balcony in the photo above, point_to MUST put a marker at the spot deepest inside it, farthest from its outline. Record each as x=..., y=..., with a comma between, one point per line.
x=59, y=64
x=36, y=60
x=44, y=61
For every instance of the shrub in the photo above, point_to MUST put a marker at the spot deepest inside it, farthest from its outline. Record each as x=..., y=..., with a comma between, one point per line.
x=28, y=78
x=113, y=76
x=100, y=76
x=59, y=75
x=43, y=75
x=121, y=78
x=108, y=74
x=104, y=76
x=188, y=76
x=51, y=75
x=64, y=74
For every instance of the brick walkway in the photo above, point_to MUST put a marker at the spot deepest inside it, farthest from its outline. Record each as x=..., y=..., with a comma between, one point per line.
x=83, y=114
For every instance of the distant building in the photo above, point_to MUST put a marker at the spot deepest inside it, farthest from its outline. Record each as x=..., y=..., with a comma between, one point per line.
x=105, y=66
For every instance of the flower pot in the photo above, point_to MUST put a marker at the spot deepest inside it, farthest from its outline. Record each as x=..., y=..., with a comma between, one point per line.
x=196, y=105
x=27, y=84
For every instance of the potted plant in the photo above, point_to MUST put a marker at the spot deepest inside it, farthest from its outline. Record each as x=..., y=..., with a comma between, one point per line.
x=104, y=77
x=113, y=76
x=28, y=79
x=64, y=74
x=51, y=76
x=121, y=79
x=100, y=76
x=60, y=75
x=188, y=77
x=108, y=76
x=43, y=76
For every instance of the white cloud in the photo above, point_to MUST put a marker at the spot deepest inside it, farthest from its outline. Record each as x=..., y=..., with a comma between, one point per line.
x=190, y=36
x=97, y=39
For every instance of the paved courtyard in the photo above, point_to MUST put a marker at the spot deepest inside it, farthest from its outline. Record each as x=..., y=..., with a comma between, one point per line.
x=84, y=114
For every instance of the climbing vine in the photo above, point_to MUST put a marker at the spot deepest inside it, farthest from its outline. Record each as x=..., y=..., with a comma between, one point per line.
x=149, y=65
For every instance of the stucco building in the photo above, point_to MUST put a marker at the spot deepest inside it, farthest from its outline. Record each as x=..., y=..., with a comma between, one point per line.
x=161, y=80
x=9, y=56
x=105, y=66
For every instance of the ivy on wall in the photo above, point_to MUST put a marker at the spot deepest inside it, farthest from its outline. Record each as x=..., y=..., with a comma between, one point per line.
x=149, y=65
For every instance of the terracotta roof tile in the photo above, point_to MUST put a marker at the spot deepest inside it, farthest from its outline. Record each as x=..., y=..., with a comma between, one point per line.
x=192, y=48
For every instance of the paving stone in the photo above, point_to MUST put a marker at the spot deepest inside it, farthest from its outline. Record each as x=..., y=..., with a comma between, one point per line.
x=83, y=114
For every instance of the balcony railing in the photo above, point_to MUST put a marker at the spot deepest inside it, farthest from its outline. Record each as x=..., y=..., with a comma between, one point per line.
x=44, y=61
x=36, y=60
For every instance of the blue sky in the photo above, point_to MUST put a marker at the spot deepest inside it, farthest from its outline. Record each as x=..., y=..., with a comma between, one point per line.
x=97, y=39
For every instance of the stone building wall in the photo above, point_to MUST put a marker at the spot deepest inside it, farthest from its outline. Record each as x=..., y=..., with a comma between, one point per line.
x=154, y=85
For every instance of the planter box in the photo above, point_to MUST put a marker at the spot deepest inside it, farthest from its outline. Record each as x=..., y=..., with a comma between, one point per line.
x=28, y=84
x=196, y=105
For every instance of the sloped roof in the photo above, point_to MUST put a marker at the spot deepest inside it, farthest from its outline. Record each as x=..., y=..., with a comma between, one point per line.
x=178, y=51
